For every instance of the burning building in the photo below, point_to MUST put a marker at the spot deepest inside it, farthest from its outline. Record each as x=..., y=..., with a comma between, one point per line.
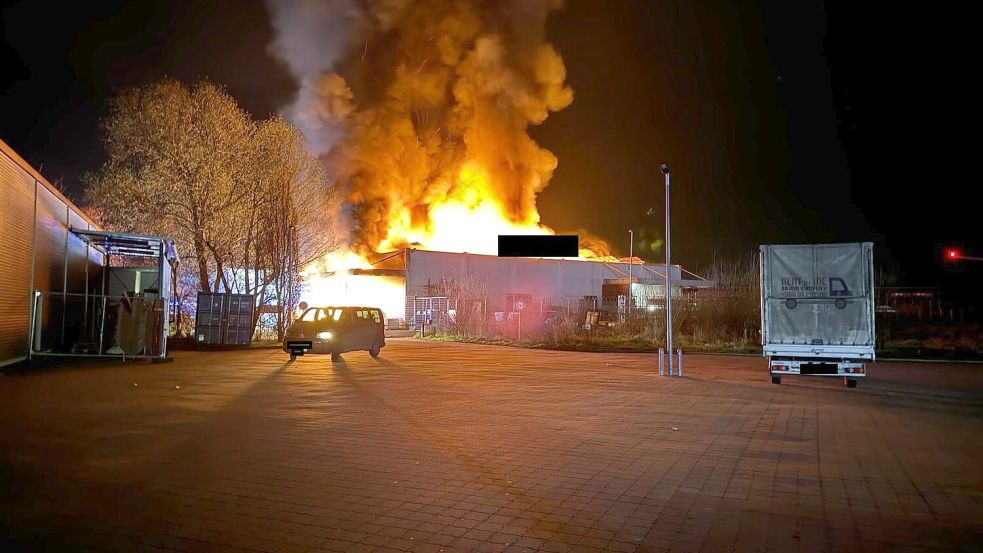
x=421, y=111
x=421, y=286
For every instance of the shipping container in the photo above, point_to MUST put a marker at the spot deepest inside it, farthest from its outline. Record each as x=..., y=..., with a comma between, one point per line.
x=224, y=319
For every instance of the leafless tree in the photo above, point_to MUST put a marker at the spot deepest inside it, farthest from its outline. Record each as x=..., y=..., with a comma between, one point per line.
x=246, y=201
x=470, y=293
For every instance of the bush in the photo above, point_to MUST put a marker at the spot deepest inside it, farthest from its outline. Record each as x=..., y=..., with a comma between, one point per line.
x=728, y=313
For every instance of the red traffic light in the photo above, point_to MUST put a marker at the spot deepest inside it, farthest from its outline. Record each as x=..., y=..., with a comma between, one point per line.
x=951, y=254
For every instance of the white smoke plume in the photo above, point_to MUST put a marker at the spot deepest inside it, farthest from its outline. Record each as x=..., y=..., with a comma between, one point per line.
x=311, y=37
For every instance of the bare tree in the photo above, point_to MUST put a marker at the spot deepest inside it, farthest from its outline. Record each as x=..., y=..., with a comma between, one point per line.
x=471, y=294
x=246, y=201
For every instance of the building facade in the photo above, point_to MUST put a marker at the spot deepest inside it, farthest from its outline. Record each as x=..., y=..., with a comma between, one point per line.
x=532, y=285
x=37, y=252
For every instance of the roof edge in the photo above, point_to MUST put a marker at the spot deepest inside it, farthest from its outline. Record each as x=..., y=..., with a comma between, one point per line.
x=38, y=177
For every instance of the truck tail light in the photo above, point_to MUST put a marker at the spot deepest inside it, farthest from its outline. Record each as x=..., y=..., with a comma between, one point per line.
x=779, y=367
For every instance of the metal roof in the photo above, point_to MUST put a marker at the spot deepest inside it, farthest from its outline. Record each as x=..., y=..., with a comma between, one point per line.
x=129, y=245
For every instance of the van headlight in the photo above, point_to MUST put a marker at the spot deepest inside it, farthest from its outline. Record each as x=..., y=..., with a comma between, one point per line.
x=324, y=335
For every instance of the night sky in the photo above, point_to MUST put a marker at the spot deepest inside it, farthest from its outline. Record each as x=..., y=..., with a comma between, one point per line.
x=783, y=121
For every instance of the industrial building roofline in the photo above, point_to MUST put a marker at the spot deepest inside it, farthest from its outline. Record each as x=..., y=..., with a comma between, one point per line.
x=398, y=255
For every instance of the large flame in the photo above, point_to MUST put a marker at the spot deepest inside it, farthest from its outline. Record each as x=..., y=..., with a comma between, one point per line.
x=470, y=220
x=422, y=113
x=332, y=280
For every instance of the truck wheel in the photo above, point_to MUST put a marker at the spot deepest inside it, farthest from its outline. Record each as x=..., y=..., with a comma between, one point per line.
x=776, y=380
x=335, y=356
x=850, y=382
x=374, y=350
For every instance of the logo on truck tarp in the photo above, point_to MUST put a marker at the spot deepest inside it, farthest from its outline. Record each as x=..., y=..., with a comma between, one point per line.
x=834, y=287
x=818, y=287
x=838, y=287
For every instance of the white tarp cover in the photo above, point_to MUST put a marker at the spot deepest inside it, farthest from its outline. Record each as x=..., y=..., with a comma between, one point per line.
x=817, y=294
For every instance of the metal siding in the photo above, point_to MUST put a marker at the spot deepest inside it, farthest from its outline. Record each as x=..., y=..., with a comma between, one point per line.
x=224, y=319
x=76, y=255
x=49, y=262
x=16, y=214
x=34, y=220
x=557, y=280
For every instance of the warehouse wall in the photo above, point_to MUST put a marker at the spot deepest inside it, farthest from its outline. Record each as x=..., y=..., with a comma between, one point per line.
x=561, y=281
x=34, y=245
x=16, y=223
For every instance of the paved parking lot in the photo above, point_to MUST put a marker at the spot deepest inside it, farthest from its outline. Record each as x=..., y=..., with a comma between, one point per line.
x=458, y=447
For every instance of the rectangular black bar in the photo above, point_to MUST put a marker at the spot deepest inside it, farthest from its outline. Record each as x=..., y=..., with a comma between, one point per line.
x=817, y=368
x=521, y=245
x=299, y=347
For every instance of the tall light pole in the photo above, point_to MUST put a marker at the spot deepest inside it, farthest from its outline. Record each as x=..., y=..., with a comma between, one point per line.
x=631, y=261
x=668, y=175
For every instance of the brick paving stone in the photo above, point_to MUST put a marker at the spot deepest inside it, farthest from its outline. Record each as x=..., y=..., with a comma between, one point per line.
x=477, y=448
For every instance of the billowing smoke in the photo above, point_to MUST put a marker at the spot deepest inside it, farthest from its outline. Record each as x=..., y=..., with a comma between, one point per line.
x=420, y=105
x=311, y=37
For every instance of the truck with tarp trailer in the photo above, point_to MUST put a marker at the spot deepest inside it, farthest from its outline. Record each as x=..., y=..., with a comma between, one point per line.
x=817, y=309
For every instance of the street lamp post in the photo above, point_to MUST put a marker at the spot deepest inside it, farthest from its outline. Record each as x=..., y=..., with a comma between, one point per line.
x=668, y=175
x=631, y=261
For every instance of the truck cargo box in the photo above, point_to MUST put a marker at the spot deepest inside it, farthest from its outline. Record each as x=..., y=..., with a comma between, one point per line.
x=817, y=303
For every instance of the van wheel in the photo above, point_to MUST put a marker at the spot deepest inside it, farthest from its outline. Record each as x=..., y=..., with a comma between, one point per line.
x=335, y=356
x=850, y=382
x=374, y=351
x=776, y=380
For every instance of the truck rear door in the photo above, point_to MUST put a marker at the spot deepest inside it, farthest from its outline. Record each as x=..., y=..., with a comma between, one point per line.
x=818, y=295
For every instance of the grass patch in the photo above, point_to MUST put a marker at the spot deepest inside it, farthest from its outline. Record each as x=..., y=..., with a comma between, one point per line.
x=606, y=344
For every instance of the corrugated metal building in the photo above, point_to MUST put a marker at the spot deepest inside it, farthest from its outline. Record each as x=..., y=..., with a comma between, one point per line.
x=34, y=246
x=539, y=284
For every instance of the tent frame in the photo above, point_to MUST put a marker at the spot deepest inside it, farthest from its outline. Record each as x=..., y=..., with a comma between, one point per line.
x=126, y=246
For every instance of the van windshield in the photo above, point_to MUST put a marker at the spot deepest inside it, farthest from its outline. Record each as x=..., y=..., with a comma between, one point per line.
x=310, y=315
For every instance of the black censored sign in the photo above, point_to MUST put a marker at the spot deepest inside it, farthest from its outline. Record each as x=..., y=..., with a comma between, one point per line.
x=518, y=245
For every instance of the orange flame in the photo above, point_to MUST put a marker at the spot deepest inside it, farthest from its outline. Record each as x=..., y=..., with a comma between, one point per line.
x=468, y=221
x=330, y=281
x=426, y=133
